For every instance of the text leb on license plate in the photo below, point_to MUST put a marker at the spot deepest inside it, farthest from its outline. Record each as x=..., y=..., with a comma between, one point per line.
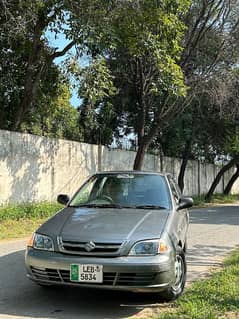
x=86, y=273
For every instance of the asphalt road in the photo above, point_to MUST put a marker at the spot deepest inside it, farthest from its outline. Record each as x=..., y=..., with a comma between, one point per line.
x=213, y=233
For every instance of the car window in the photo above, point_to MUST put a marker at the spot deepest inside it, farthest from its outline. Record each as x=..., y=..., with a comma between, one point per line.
x=83, y=195
x=129, y=190
x=174, y=188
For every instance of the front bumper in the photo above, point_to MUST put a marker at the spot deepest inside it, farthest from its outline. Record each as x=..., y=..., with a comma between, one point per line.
x=146, y=274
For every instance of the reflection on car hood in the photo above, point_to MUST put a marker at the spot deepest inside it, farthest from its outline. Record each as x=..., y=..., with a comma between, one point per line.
x=106, y=224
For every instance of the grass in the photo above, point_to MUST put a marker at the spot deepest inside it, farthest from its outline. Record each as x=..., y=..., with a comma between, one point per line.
x=28, y=210
x=212, y=298
x=216, y=199
x=18, y=221
x=21, y=228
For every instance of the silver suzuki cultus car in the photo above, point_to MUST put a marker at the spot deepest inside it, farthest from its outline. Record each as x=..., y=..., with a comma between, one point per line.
x=121, y=230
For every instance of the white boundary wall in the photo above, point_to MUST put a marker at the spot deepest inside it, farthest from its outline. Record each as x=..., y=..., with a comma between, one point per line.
x=34, y=168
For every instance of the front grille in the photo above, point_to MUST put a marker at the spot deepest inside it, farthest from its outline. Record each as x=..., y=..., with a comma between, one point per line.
x=88, y=248
x=109, y=278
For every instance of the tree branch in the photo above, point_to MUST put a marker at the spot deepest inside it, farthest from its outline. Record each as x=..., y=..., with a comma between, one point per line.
x=58, y=54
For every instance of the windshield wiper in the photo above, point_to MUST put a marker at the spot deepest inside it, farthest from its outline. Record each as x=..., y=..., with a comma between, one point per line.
x=98, y=205
x=150, y=207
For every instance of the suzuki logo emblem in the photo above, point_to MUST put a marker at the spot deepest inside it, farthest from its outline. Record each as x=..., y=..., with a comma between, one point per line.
x=89, y=246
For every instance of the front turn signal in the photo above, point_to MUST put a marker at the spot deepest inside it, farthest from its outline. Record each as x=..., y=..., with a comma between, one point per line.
x=163, y=248
x=31, y=240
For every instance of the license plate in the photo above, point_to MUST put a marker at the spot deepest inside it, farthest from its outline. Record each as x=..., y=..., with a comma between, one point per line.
x=86, y=273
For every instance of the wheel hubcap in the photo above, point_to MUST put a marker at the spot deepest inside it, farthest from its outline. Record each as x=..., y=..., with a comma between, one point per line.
x=179, y=272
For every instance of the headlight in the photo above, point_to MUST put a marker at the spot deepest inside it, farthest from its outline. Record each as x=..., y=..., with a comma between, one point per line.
x=149, y=247
x=41, y=242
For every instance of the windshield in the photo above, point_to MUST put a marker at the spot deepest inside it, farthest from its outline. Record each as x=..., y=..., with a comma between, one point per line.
x=124, y=190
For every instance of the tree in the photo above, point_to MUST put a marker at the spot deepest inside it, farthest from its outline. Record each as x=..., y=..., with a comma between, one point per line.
x=144, y=36
x=27, y=52
x=233, y=151
x=151, y=89
x=97, y=117
x=202, y=131
x=232, y=180
x=54, y=116
x=183, y=138
x=229, y=165
x=209, y=62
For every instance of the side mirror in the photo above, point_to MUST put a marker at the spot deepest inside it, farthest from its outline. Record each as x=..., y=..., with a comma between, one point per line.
x=185, y=202
x=63, y=199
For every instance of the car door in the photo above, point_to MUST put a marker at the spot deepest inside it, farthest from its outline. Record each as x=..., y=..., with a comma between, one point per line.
x=181, y=216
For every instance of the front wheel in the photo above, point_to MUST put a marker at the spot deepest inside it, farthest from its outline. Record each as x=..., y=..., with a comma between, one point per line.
x=180, y=268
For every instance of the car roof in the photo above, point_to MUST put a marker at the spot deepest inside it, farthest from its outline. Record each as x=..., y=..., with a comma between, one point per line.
x=132, y=172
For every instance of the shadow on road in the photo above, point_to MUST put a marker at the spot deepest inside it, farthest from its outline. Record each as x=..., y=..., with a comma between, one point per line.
x=213, y=233
x=216, y=215
x=201, y=259
x=21, y=297
x=205, y=255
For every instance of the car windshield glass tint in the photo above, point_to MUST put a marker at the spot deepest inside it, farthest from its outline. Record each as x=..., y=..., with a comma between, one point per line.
x=124, y=190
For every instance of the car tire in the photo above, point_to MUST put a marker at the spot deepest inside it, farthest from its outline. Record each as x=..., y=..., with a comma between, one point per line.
x=176, y=289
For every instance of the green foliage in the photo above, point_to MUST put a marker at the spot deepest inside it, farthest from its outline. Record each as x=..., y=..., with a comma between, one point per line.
x=208, y=127
x=28, y=210
x=97, y=116
x=27, y=64
x=54, y=116
x=232, y=142
x=152, y=31
x=235, y=144
x=98, y=124
x=216, y=199
x=148, y=30
x=13, y=59
x=147, y=60
x=135, y=49
x=96, y=82
x=200, y=127
x=199, y=200
x=21, y=228
x=29, y=74
x=225, y=199
x=20, y=220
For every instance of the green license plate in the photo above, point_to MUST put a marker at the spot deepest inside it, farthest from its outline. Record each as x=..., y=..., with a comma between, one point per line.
x=86, y=273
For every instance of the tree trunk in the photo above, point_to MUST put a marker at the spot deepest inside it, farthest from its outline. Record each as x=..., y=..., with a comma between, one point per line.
x=33, y=72
x=139, y=159
x=234, y=177
x=31, y=89
x=144, y=143
x=186, y=152
x=216, y=181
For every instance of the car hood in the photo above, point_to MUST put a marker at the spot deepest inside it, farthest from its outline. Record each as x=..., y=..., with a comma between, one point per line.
x=106, y=224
